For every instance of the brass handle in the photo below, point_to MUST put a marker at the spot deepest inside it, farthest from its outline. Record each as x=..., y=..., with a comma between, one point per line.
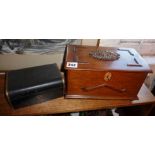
x=121, y=90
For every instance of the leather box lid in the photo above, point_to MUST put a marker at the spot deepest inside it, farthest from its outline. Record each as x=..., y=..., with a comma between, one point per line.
x=33, y=79
x=79, y=57
x=33, y=85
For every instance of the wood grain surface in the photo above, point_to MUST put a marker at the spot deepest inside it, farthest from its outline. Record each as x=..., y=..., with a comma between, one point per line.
x=77, y=80
x=81, y=53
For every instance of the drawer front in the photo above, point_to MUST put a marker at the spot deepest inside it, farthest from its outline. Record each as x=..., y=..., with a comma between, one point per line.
x=107, y=84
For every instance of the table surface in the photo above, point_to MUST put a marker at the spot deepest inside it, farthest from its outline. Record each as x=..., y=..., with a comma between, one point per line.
x=61, y=105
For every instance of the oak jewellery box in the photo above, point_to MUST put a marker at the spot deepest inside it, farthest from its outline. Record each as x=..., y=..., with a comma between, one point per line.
x=33, y=85
x=103, y=72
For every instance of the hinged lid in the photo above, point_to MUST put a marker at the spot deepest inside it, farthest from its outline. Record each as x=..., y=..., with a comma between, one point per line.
x=78, y=57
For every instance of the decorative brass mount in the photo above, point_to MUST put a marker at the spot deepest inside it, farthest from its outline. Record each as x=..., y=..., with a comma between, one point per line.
x=105, y=55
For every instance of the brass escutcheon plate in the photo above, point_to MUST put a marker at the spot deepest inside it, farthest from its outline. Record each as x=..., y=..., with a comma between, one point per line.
x=107, y=76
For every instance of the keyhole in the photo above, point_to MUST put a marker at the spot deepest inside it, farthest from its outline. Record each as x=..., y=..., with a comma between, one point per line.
x=107, y=76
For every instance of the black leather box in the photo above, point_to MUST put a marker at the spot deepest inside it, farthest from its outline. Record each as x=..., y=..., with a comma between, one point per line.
x=33, y=85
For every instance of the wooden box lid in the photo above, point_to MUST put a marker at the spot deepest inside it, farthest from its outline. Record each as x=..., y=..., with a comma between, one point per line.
x=78, y=58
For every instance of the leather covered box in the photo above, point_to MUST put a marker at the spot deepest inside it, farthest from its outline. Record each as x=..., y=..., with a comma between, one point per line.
x=89, y=76
x=33, y=85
